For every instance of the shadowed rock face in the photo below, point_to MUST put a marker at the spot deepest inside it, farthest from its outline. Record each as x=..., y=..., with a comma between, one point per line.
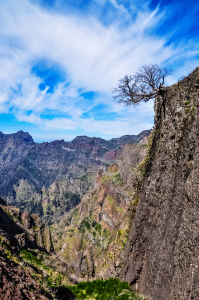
x=161, y=256
x=23, y=230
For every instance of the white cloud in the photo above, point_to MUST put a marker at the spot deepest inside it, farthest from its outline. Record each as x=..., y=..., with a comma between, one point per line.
x=130, y=123
x=94, y=57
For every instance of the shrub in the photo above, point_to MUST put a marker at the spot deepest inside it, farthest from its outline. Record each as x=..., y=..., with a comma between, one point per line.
x=85, y=225
x=98, y=227
x=117, y=180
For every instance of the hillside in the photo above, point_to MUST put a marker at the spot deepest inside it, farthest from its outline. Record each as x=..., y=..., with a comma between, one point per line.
x=91, y=237
x=29, y=271
x=25, y=251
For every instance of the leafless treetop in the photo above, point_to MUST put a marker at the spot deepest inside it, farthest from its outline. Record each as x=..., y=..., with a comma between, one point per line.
x=143, y=86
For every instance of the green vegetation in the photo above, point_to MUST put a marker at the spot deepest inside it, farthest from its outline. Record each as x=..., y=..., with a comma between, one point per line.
x=31, y=257
x=94, y=232
x=105, y=179
x=111, y=289
x=122, y=234
x=186, y=102
x=117, y=179
x=7, y=250
x=98, y=227
x=142, y=166
x=85, y=225
x=45, y=274
x=114, y=179
x=57, y=204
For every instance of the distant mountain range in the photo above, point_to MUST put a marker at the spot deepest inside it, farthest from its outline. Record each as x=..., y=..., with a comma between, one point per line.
x=26, y=167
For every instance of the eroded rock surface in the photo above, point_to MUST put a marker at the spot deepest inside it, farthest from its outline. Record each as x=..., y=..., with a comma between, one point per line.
x=161, y=256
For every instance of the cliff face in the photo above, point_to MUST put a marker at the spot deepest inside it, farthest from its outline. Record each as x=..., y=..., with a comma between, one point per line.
x=161, y=255
x=23, y=230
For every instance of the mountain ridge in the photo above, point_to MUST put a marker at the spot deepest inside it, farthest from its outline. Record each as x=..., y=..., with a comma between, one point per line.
x=27, y=167
x=24, y=134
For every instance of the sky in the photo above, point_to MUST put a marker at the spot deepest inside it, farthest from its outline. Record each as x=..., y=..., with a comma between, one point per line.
x=60, y=60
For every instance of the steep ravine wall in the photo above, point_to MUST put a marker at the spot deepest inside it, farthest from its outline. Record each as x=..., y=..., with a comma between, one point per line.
x=162, y=253
x=91, y=237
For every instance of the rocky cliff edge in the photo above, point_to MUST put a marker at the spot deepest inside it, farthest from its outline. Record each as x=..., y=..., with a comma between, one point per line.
x=161, y=255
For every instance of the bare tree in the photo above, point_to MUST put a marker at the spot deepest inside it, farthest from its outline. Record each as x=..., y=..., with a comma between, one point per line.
x=146, y=84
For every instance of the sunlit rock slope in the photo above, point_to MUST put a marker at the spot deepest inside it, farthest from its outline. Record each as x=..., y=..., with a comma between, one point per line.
x=91, y=237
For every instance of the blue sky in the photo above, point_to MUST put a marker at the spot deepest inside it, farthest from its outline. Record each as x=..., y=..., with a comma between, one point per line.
x=60, y=59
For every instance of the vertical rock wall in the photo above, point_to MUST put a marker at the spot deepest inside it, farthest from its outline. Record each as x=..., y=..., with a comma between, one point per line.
x=162, y=254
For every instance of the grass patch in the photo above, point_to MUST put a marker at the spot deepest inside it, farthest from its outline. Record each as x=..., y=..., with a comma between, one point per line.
x=30, y=257
x=111, y=289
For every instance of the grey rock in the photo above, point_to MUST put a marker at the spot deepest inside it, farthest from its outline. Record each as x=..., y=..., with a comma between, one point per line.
x=161, y=256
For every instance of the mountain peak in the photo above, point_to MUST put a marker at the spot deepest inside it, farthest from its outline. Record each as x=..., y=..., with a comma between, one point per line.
x=23, y=137
x=19, y=136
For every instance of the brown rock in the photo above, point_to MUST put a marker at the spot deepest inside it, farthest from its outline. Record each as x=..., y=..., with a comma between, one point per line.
x=17, y=284
x=21, y=238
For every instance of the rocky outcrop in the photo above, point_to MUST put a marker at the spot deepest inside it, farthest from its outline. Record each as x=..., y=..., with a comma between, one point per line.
x=161, y=255
x=27, y=270
x=25, y=249
x=24, y=231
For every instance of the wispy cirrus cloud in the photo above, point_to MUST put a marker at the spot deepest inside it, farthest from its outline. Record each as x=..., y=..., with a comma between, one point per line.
x=57, y=67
